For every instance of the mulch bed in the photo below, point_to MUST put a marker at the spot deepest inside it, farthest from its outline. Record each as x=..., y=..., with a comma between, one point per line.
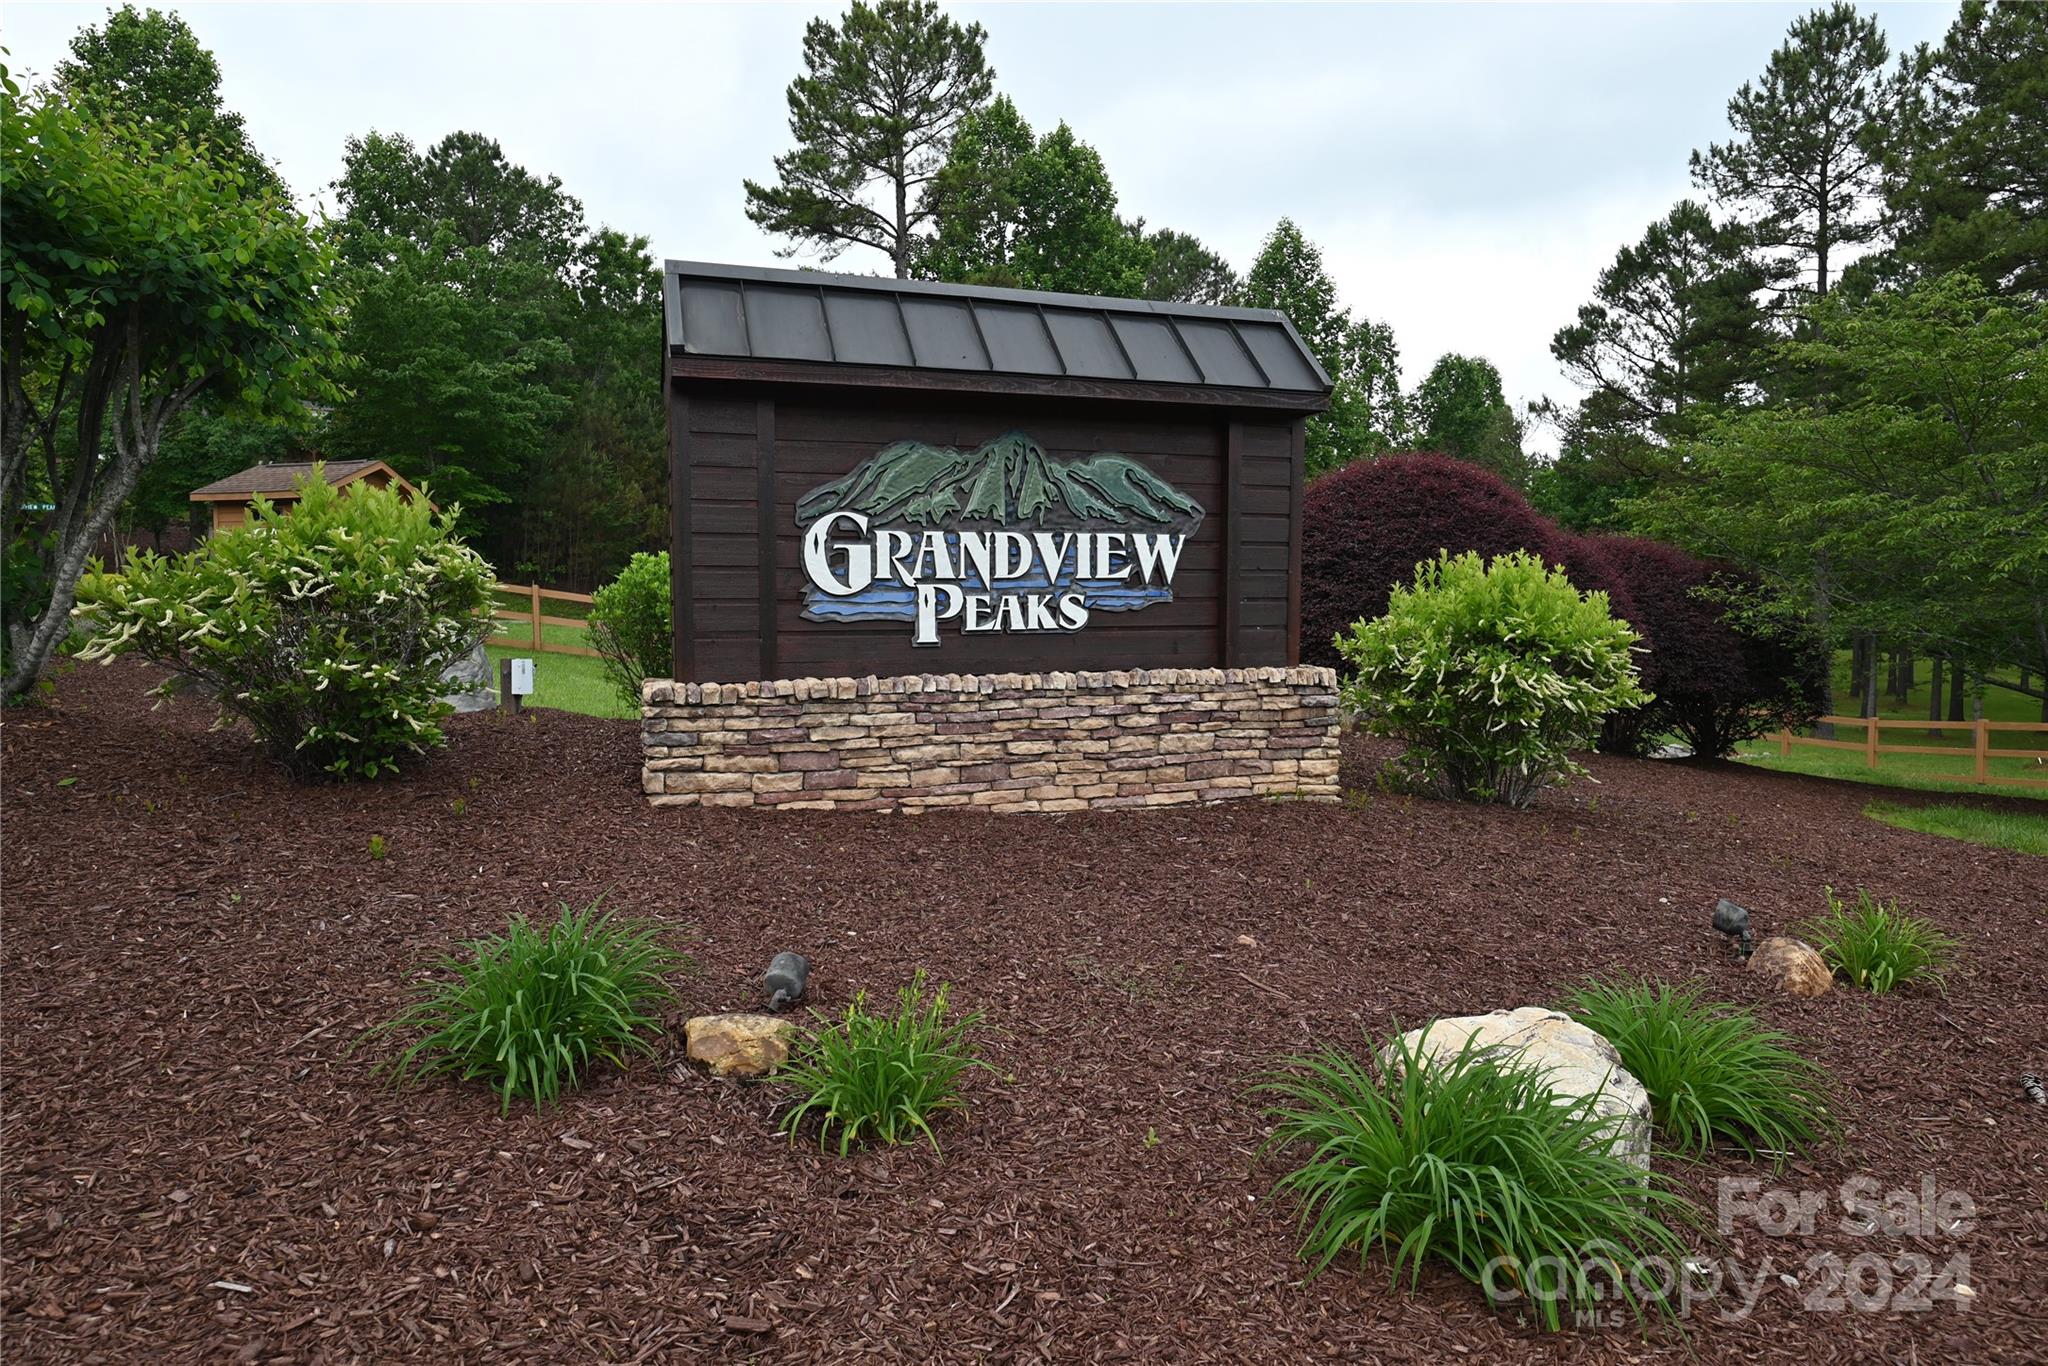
x=197, y=1167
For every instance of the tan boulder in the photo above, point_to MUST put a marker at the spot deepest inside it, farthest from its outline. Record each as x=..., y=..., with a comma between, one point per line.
x=739, y=1045
x=1795, y=968
x=1576, y=1061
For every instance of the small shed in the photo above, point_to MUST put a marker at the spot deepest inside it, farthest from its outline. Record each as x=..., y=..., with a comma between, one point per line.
x=230, y=497
x=889, y=477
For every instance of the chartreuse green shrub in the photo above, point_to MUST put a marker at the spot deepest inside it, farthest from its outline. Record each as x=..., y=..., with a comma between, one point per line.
x=1470, y=1158
x=1493, y=672
x=630, y=626
x=326, y=625
x=868, y=1078
x=530, y=1010
x=1876, y=947
x=1715, y=1073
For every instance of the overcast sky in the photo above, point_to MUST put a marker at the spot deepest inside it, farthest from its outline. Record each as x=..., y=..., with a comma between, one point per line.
x=1467, y=169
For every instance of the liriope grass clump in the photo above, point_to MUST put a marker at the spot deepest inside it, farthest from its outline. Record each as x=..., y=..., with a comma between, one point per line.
x=882, y=1078
x=1715, y=1073
x=529, y=1011
x=1470, y=1158
x=1875, y=947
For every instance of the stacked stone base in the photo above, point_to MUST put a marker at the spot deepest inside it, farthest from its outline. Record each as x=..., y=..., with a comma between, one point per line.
x=998, y=742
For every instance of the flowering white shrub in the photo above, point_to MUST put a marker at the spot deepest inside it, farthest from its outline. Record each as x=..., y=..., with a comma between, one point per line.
x=325, y=626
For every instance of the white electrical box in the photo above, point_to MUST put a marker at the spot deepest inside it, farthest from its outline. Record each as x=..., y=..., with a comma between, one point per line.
x=522, y=678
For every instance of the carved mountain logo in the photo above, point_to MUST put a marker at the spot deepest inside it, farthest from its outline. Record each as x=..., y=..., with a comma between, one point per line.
x=1001, y=538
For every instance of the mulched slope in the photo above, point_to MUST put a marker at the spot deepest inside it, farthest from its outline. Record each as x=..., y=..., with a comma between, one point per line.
x=196, y=1168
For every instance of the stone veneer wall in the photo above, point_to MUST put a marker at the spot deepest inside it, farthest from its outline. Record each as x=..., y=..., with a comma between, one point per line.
x=1001, y=742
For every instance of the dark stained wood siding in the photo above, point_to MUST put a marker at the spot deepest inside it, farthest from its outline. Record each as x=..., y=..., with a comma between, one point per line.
x=743, y=455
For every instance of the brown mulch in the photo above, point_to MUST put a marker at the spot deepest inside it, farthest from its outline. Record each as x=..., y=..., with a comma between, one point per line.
x=196, y=1167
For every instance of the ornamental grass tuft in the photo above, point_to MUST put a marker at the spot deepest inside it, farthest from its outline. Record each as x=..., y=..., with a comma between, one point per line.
x=882, y=1078
x=531, y=1010
x=1473, y=1159
x=1714, y=1072
x=1875, y=947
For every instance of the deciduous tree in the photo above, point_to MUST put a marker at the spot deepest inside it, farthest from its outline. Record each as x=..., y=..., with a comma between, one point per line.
x=139, y=273
x=1459, y=409
x=1029, y=213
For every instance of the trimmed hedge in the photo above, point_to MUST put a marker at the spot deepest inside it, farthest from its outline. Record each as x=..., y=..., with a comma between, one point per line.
x=1367, y=525
x=1725, y=670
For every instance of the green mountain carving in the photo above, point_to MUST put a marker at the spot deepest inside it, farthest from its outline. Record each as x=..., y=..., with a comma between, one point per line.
x=1010, y=481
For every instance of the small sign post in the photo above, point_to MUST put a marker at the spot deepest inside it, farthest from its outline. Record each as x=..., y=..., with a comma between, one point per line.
x=515, y=680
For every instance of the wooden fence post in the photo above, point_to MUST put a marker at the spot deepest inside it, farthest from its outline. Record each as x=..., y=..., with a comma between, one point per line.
x=534, y=589
x=1870, y=742
x=1784, y=742
x=1983, y=745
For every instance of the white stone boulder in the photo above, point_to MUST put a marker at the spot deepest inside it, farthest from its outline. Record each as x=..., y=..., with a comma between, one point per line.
x=469, y=682
x=1576, y=1061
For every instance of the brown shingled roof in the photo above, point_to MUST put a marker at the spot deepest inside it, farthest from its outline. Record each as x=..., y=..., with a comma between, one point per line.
x=280, y=479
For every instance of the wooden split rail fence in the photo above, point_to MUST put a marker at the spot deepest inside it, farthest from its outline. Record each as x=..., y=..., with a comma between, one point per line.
x=535, y=619
x=1981, y=750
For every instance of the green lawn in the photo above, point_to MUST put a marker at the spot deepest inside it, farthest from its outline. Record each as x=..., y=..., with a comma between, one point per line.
x=2025, y=831
x=2000, y=704
x=567, y=682
x=1918, y=772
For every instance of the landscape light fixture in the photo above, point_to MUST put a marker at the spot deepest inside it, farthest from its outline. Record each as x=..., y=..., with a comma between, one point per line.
x=787, y=975
x=1730, y=919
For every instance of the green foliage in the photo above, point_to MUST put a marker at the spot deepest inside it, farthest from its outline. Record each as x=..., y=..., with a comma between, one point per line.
x=1875, y=947
x=1183, y=270
x=631, y=627
x=1910, y=501
x=1458, y=409
x=148, y=67
x=1028, y=214
x=1966, y=161
x=1672, y=330
x=377, y=849
x=2024, y=832
x=1469, y=1158
x=882, y=1078
x=1714, y=1072
x=139, y=273
x=1492, y=672
x=531, y=1010
x=325, y=627
x=503, y=351
x=1367, y=415
x=1801, y=168
x=882, y=92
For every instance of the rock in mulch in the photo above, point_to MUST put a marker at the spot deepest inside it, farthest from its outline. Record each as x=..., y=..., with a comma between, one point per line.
x=1793, y=967
x=739, y=1045
x=469, y=682
x=1578, y=1063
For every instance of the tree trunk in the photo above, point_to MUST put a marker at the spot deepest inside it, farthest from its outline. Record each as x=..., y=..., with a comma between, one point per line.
x=1955, y=691
x=1825, y=730
x=89, y=501
x=1869, y=675
x=1934, y=695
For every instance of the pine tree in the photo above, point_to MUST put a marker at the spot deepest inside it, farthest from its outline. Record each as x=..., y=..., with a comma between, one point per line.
x=1801, y=172
x=1966, y=181
x=1367, y=415
x=1672, y=325
x=882, y=94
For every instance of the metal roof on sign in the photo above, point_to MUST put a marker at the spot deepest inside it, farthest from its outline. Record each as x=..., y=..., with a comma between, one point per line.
x=859, y=320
